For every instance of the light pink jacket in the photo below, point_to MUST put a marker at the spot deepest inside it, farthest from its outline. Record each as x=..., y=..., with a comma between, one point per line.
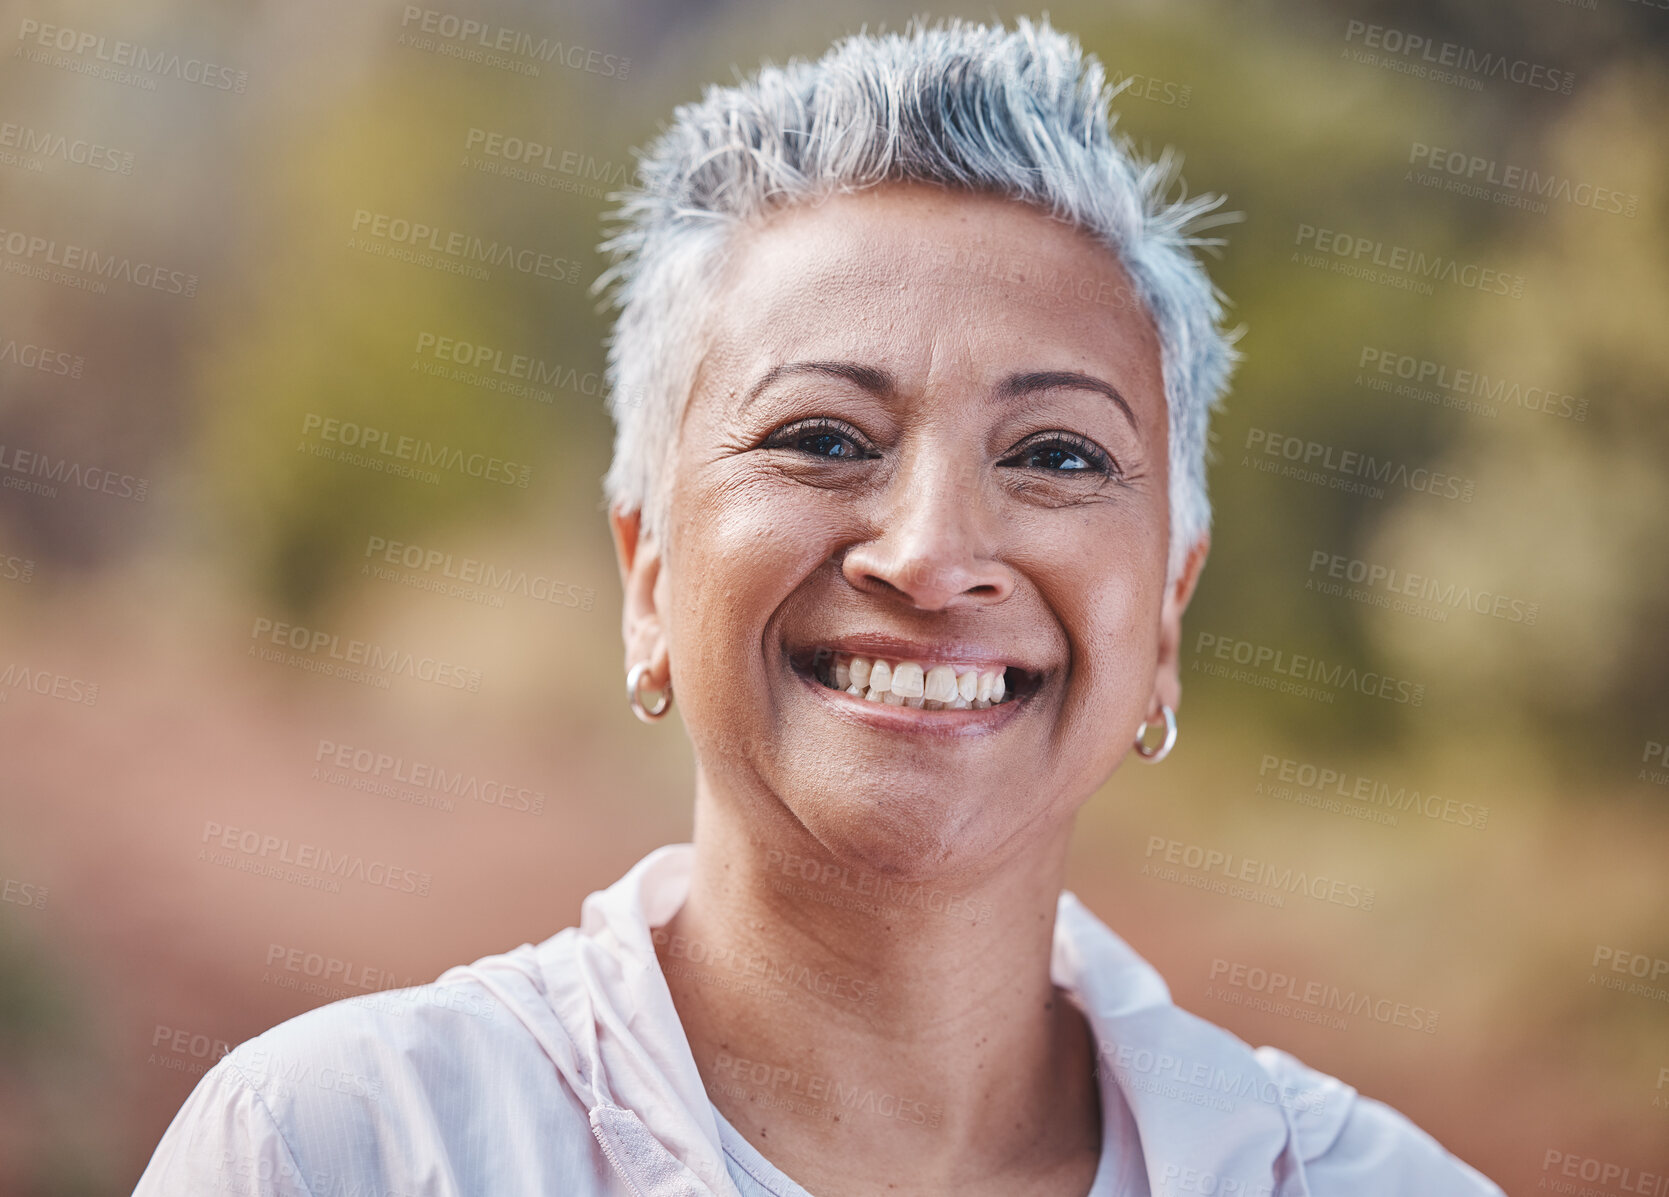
x=561, y=1070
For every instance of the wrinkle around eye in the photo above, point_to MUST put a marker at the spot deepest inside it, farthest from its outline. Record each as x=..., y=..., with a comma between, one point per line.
x=793, y=438
x=824, y=473
x=1093, y=462
x=1070, y=488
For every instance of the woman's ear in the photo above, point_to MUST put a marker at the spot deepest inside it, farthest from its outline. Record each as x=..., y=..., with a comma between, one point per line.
x=1167, y=682
x=639, y=556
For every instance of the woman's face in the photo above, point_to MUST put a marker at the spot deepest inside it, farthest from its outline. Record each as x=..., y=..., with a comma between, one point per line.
x=928, y=429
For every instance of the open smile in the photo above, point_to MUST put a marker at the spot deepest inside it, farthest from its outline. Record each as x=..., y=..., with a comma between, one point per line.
x=954, y=689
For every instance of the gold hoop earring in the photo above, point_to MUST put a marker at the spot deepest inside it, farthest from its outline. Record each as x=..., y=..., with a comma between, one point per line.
x=634, y=684
x=1154, y=755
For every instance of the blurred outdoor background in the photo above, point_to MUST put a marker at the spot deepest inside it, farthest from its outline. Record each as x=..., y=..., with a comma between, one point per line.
x=200, y=264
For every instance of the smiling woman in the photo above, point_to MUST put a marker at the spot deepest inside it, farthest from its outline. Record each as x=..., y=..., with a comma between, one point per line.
x=931, y=476
x=908, y=524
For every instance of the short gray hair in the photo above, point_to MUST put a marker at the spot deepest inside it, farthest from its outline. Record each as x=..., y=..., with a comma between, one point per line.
x=969, y=107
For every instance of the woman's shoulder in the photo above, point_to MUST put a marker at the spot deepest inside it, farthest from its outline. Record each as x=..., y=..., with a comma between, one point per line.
x=1357, y=1146
x=1206, y=1103
x=1348, y=1145
x=369, y=1093
x=360, y=1045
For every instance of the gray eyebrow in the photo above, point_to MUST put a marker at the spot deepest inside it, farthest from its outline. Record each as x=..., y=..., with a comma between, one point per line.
x=1016, y=385
x=880, y=383
x=876, y=381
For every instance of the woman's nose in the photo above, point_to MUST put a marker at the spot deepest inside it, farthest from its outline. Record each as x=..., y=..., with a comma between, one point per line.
x=933, y=544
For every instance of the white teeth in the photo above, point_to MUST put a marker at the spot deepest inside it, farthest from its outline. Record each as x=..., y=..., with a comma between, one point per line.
x=907, y=679
x=913, y=684
x=941, y=683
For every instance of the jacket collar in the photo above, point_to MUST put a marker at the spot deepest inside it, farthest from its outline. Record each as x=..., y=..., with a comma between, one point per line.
x=1201, y=1099
x=596, y=1000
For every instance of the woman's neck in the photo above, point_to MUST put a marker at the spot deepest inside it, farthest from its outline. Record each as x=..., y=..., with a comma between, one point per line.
x=865, y=1031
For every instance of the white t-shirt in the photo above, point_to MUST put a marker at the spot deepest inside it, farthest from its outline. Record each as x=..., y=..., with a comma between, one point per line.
x=756, y=1176
x=562, y=1070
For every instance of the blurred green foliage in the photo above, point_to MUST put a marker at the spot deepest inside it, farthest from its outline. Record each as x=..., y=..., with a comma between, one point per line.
x=1269, y=113
x=1544, y=722
x=296, y=320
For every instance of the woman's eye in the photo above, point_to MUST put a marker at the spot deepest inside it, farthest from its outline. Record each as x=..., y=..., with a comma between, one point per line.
x=819, y=440
x=1060, y=456
x=1055, y=457
x=826, y=444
